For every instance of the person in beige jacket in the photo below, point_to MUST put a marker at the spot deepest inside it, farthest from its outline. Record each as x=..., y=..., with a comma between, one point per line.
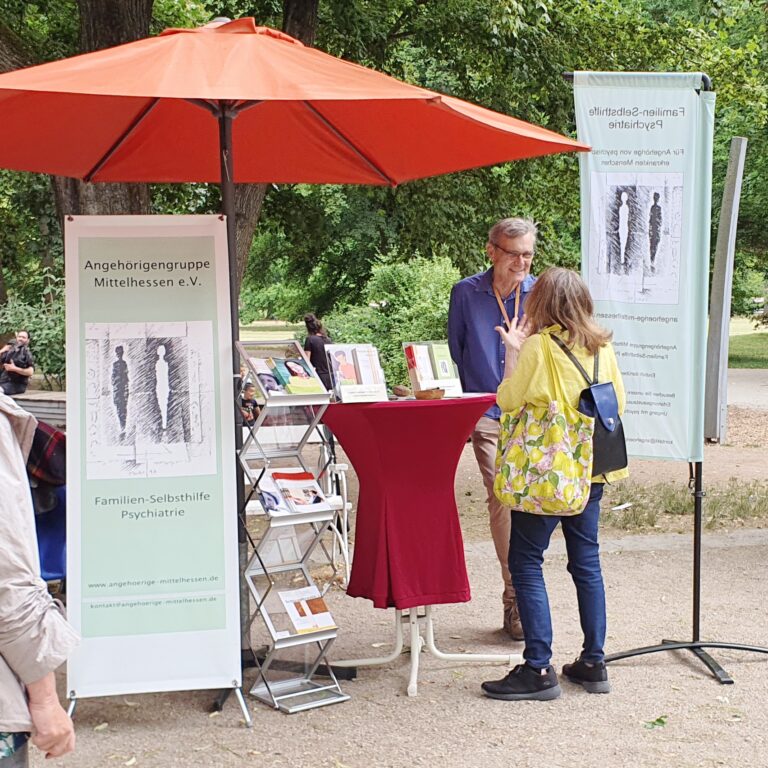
x=35, y=638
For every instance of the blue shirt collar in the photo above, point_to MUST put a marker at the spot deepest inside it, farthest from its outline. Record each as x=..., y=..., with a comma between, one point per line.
x=485, y=283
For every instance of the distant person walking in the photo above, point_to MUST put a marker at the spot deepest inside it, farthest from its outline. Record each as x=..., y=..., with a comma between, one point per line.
x=317, y=338
x=17, y=365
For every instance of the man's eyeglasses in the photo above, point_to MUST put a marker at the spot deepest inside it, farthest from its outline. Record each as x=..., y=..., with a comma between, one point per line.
x=527, y=255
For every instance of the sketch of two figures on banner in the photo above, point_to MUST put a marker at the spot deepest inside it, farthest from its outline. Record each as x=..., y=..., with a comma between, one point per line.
x=149, y=399
x=635, y=237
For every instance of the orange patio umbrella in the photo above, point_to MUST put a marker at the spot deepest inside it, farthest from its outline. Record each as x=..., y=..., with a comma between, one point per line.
x=234, y=102
x=152, y=110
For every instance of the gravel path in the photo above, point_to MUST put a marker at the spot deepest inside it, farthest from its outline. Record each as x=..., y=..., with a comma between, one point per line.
x=698, y=723
x=450, y=724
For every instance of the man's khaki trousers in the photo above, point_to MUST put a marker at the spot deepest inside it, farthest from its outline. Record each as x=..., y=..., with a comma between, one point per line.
x=484, y=440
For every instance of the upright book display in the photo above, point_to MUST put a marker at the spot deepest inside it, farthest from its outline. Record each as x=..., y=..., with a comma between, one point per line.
x=356, y=373
x=291, y=626
x=430, y=367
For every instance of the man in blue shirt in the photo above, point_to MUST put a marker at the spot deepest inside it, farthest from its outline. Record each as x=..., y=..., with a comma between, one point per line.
x=478, y=304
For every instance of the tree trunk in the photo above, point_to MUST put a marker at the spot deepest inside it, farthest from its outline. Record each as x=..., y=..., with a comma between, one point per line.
x=12, y=52
x=106, y=23
x=299, y=21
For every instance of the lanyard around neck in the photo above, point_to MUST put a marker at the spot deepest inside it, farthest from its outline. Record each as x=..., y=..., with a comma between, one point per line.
x=504, y=309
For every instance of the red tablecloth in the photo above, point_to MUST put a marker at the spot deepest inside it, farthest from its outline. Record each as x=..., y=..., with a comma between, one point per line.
x=408, y=546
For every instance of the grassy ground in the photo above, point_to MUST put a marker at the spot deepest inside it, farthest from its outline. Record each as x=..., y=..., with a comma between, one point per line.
x=748, y=347
x=271, y=330
x=667, y=505
x=748, y=351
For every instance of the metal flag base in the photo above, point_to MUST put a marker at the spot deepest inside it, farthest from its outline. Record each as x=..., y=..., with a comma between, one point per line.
x=696, y=645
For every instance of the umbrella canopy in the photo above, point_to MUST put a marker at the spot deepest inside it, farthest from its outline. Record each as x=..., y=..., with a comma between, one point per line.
x=145, y=111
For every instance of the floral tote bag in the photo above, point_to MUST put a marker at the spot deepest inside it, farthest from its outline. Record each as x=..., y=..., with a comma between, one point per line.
x=544, y=458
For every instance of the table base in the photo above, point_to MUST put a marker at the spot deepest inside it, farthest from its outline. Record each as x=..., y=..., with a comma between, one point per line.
x=419, y=643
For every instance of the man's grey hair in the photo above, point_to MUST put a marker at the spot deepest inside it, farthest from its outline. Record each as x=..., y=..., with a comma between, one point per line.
x=515, y=227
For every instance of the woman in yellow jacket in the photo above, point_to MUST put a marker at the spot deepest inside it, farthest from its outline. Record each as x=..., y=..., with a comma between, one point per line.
x=559, y=304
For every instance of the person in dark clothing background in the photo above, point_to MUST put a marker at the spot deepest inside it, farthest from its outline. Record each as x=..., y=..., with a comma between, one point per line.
x=317, y=338
x=16, y=365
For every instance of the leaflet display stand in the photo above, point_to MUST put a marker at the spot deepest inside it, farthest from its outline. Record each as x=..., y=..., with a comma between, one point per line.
x=290, y=628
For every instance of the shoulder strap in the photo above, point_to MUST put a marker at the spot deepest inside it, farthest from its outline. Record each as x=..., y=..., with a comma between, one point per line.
x=549, y=362
x=560, y=343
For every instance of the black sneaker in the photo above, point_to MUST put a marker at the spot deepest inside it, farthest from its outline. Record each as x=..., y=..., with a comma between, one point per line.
x=592, y=677
x=524, y=682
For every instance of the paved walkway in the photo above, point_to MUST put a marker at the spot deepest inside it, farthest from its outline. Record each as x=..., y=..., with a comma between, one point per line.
x=748, y=387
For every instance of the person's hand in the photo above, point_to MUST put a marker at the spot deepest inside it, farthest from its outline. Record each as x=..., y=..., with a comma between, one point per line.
x=9, y=367
x=52, y=728
x=514, y=337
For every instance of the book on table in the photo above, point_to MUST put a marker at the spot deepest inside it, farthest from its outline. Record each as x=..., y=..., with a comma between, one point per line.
x=430, y=366
x=356, y=373
x=419, y=365
x=367, y=365
x=442, y=363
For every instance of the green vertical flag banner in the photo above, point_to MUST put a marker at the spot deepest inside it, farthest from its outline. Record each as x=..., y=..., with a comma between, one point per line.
x=152, y=558
x=645, y=220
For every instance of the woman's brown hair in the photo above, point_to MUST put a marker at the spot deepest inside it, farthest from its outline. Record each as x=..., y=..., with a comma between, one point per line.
x=314, y=326
x=561, y=297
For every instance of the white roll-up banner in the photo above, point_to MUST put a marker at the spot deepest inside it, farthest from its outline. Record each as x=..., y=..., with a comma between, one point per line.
x=645, y=221
x=152, y=562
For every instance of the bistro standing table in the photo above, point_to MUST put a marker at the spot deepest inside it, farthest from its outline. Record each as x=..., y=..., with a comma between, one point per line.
x=408, y=551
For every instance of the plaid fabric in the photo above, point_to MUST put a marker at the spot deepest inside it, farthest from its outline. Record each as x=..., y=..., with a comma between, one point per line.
x=11, y=743
x=47, y=460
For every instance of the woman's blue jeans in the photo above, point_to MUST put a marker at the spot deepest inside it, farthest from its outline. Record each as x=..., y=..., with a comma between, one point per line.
x=528, y=542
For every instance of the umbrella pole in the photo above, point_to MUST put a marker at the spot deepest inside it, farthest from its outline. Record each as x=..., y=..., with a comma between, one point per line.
x=228, y=210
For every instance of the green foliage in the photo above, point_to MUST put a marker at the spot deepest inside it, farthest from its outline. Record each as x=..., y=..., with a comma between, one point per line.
x=402, y=301
x=46, y=29
x=749, y=283
x=316, y=245
x=44, y=319
x=30, y=237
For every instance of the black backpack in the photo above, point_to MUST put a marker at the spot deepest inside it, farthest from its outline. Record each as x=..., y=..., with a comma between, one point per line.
x=609, y=449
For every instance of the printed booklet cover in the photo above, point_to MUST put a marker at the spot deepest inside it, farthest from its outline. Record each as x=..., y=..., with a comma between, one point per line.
x=299, y=491
x=430, y=366
x=279, y=368
x=356, y=373
x=307, y=610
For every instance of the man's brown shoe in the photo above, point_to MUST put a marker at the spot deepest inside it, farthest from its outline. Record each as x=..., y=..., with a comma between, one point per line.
x=512, y=625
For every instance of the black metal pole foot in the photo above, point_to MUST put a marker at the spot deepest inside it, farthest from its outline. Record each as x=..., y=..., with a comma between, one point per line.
x=696, y=647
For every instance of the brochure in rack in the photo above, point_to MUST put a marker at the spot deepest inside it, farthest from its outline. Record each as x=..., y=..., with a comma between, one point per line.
x=307, y=610
x=430, y=366
x=279, y=368
x=356, y=373
x=298, y=491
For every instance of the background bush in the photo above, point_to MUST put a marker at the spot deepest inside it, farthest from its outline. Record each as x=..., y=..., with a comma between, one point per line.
x=402, y=301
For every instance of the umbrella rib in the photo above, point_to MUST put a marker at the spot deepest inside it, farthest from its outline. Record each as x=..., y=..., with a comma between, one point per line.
x=120, y=139
x=331, y=127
